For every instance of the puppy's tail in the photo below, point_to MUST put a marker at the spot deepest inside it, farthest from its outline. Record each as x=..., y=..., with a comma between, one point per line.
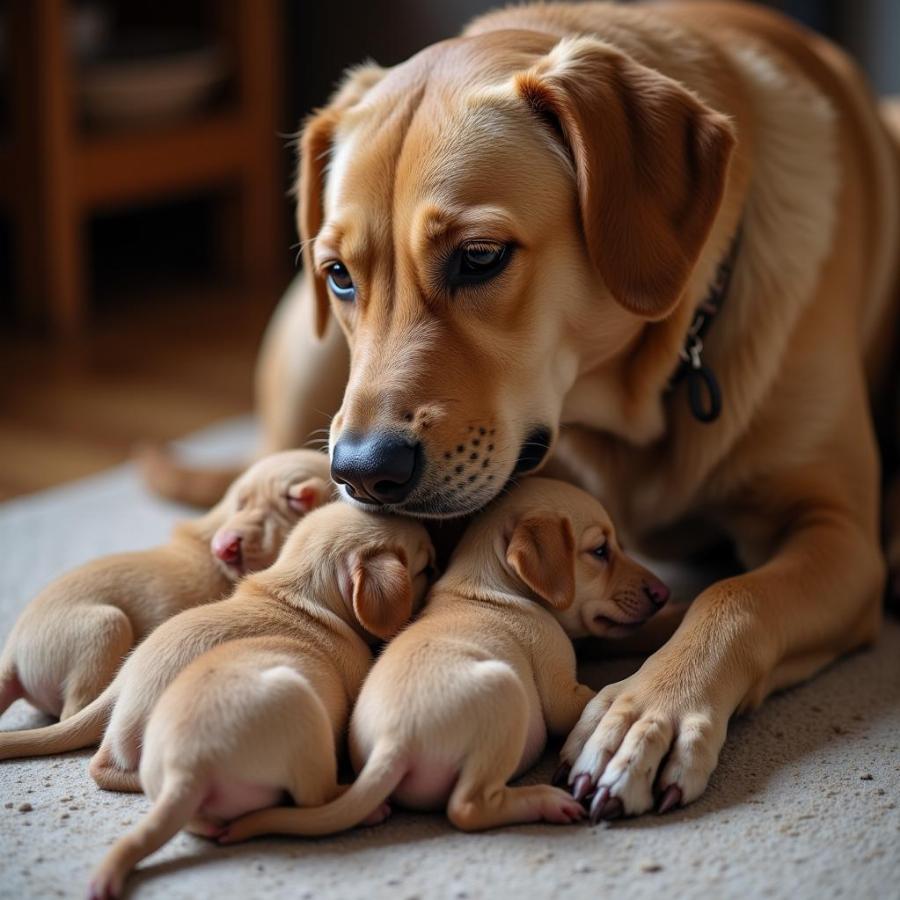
x=83, y=729
x=381, y=774
x=164, y=475
x=172, y=809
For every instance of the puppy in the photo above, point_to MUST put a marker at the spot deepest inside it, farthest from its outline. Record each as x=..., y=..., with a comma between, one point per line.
x=67, y=644
x=462, y=700
x=263, y=711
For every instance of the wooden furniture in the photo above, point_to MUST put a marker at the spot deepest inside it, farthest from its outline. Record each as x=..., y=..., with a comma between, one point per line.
x=55, y=173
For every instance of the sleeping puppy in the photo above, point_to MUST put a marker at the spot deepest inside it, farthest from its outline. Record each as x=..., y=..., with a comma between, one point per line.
x=262, y=712
x=328, y=568
x=70, y=640
x=462, y=700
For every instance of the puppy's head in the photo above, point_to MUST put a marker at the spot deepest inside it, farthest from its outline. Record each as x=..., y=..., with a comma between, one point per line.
x=487, y=222
x=379, y=566
x=560, y=543
x=264, y=504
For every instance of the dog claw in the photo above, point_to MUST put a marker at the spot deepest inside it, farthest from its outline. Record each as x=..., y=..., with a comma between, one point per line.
x=598, y=803
x=581, y=787
x=605, y=807
x=561, y=775
x=670, y=799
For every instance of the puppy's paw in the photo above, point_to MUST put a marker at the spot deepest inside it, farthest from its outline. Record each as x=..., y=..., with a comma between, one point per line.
x=617, y=750
x=559, y=807
x=378, y=816
x=106, y=884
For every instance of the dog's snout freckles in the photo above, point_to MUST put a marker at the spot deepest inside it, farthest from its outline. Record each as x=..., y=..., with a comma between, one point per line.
x=468, y=463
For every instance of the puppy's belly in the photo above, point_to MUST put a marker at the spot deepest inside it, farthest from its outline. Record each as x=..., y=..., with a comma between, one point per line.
x=428, y=783
x=228, y=799
x=432, y=776
x=43, y=690
x=535, y=741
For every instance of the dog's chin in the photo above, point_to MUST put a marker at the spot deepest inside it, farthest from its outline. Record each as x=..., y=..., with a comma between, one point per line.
x=607, y=627
x=425, y=506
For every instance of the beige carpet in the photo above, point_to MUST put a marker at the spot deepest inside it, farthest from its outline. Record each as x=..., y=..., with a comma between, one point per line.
x=803, y=805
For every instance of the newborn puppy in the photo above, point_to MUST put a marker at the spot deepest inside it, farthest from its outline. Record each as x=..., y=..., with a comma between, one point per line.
x=70, y=640
x=461, y=701
x=262, y=712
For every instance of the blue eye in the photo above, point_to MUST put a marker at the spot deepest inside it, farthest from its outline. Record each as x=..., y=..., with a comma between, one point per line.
x=477, y=262
x=340, y=282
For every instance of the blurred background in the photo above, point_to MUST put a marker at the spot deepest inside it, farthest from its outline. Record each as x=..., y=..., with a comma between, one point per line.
x=145, y=229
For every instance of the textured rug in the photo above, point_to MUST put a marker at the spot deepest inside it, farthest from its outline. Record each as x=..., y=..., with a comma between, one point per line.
x=804, y=803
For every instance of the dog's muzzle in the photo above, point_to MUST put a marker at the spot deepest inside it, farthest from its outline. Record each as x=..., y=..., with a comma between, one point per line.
x=377, y=468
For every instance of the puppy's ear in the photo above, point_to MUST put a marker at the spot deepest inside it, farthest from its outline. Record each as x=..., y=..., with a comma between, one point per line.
x=651, y=161
x=315, y=151
x=309, y=494
x=541, y=552
x=382, y=592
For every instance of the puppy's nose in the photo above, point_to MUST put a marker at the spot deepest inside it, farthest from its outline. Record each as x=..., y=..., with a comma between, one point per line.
x=656, y=592
x=377, y=468
x=227, y=546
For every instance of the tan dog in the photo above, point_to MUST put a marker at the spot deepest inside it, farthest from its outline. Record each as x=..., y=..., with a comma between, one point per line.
x=70, y=640
x=525, y=228
x=462, y=700
x=263, y=712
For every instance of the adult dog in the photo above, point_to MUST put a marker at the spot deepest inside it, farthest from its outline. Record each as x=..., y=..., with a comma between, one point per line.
x=562, y=239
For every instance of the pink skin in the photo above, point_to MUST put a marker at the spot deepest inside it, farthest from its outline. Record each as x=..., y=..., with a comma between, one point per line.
x=10, y=691
x=226, y=546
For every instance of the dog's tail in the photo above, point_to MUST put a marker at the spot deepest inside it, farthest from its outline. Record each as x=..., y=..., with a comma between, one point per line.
x=163, y=474
x=171, y=811
x=83, y=729
x=381, y=774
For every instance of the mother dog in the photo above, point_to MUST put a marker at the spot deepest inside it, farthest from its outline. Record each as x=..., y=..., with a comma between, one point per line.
x=653, y=249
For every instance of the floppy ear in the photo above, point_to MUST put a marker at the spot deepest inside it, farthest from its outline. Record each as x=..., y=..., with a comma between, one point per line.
x=315, y=146
x=309, y=494
x=650, y=163
x=541, y=552
x=315, y=150
x=382, y=592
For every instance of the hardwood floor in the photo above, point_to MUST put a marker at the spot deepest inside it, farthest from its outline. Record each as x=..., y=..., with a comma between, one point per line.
x=155, y=372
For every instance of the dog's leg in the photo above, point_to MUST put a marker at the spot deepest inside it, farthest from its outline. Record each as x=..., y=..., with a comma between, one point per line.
x=562, y=697
x=818, y=596
x=168, y=814
x=10, y=689
x=480, y=797
x=111, y=637
x=111, y=777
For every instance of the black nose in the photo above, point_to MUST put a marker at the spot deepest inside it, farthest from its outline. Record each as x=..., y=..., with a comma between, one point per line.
x=377, y=468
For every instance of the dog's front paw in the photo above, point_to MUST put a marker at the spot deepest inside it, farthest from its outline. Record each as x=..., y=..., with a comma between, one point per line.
x=617, y=750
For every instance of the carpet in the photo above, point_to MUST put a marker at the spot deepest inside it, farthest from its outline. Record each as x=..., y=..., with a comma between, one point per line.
x=804, y=803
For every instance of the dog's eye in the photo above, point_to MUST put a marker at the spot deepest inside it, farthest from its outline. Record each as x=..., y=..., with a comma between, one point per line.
x=340, y=282
x=476, y=262
x=601, y=551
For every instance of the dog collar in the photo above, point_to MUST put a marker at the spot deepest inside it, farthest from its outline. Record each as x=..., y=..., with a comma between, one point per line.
x=704, y=393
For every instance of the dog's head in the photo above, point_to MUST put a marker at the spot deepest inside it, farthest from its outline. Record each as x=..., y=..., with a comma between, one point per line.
x=262, y=506
x=487, y=222
x=561, y=544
